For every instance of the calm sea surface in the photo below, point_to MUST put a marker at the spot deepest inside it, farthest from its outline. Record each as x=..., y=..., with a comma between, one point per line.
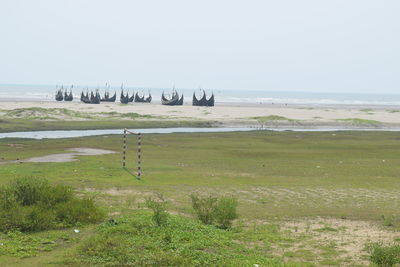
x=46, y=92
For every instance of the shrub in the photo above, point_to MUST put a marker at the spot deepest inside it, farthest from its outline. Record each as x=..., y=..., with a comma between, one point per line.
x=388, y=220
x=78, y=211
x=37, y=218
x=27, y=218
x=158, y=206
x=29, y=191
x=35, y=205
x=384, y=256
x=12, y=219
x=8, y=199
x=210, y=209
x=204, y=207
x=58, y=194
x=225, y=211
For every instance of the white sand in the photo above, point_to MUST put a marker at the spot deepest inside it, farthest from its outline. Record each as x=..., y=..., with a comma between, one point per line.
x=230, y=114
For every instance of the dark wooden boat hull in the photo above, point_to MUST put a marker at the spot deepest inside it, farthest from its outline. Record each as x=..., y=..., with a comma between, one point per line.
x=142, y=99
x=174, y=101
x=203, y=102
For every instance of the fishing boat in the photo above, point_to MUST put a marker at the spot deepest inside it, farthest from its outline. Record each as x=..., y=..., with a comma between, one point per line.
x=175, y=100
x=59, y=94
x=203, y=102
x=68, y=97
x=142, y=99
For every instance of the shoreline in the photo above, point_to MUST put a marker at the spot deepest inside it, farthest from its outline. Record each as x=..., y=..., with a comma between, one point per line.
x=4, y=101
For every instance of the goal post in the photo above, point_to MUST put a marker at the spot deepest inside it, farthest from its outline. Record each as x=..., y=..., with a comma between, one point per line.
x=139, y=151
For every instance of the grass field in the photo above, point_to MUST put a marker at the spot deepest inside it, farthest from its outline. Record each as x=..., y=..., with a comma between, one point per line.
x=303, y=197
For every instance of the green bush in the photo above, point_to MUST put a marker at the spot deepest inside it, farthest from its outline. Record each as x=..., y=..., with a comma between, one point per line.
x=37, y=218
x=225, y=211
x=211, y=209
x=35, y=205
x=78, y=211
x=29, y=191
x=384, y=256
x=27, y=218
x=158, y=206
x=8, y=200
x=204, y=206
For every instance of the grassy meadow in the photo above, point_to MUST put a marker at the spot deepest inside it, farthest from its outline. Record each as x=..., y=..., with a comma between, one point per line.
x=305, y=199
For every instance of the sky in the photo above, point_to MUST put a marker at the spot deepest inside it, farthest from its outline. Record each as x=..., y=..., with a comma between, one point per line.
x=287, y=45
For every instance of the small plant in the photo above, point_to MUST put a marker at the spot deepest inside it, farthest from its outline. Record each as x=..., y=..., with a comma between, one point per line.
x=388, y=220
x=225, y=211
x=158, y=206
x=384, y=256
x=204, y=207
x=211, y=209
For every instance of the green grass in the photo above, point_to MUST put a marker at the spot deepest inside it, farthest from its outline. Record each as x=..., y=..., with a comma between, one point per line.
x=135, y=240
x=272, y=169
x=273, y=118
x=358, y=121
x=274, y=175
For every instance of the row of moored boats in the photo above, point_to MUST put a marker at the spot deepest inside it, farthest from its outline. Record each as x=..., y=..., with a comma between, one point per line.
x=95, y=98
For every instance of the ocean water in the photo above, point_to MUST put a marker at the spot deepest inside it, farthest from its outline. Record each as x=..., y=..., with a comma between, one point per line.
x=47, y=92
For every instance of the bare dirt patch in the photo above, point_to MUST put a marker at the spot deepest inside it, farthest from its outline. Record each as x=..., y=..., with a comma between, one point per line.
x=16, y=145
x=347, y=237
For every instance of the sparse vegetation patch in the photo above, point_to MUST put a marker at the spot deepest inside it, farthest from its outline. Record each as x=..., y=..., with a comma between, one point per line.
x=212, y=209
x=32, y=204
x=384, y=255
x=135, y=241
x=358, y=121
x=273, y=118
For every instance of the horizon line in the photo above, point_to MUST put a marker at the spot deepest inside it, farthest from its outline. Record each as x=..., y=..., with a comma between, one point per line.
x=205, y=88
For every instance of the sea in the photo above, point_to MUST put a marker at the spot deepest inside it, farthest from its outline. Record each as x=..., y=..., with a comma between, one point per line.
x=46, y=93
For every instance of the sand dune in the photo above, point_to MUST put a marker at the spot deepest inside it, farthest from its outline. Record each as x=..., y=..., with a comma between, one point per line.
x=239, y=114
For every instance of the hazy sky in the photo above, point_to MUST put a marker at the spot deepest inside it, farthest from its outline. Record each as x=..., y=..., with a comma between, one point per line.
x=286, y=45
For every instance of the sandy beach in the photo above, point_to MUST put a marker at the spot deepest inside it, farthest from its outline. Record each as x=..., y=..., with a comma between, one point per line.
x=236, y=115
